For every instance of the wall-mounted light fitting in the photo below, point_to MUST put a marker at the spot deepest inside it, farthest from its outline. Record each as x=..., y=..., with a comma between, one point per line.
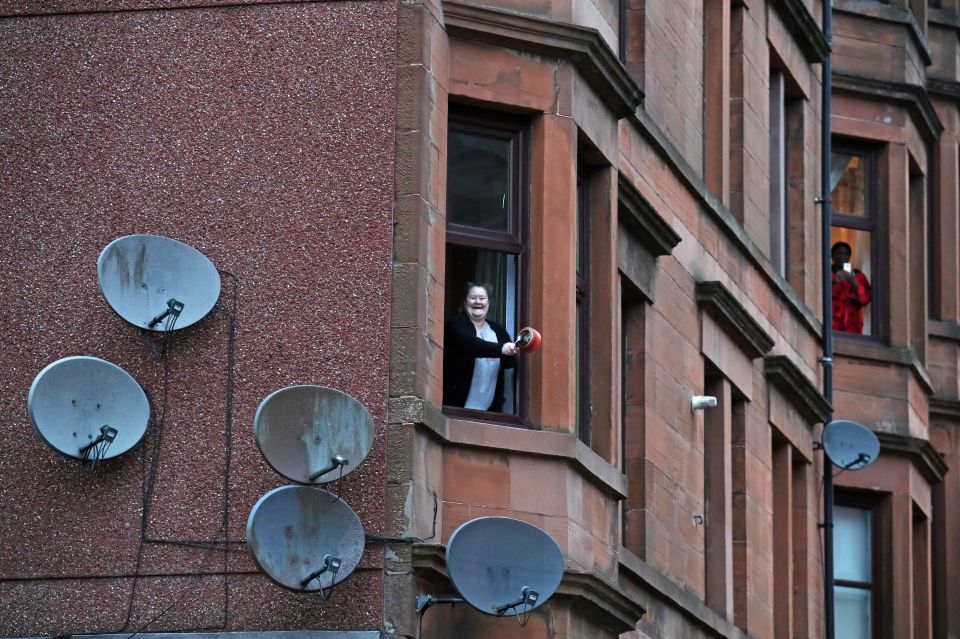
x=699, y=402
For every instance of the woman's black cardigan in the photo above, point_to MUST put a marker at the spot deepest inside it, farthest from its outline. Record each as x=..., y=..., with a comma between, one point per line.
x=461, y=348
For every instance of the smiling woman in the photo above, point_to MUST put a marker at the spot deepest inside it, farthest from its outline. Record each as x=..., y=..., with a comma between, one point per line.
x=476, y=352
x=485, y=240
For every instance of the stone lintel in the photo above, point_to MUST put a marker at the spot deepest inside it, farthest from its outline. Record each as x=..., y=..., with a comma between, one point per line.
x=714, y=298
x=912, y=97
x=804, y=28
x=582, y=46
x=945, y=408
x=921, y=452
x=638, y=215
x=944, y=88
x=795, y=386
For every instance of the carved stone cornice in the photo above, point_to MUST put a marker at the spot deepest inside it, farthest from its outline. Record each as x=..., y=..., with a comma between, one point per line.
x=804, y=28
x=945, y=408
x=921, y=451
x=943, y=17
x=582, y=46
x=944, y=88
x=603, y=602
x=914, y=98
x=639, y=216
x=795, y=386
x=944, y=329
x=715, y=299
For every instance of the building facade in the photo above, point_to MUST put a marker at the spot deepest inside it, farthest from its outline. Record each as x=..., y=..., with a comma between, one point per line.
x=640, y=180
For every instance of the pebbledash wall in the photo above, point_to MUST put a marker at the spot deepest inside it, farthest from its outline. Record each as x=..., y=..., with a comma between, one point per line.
x=673, y=147
x=263, y=135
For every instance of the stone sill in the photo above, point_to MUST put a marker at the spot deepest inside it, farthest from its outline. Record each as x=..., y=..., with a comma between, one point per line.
x=946, y=330
x=491, y=436
x=943, y=17
x=861, y=348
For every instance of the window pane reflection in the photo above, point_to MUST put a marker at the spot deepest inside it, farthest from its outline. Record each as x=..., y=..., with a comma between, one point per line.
x=848, y=181
x=852, y=612
x=478, y=181
x=851, y=550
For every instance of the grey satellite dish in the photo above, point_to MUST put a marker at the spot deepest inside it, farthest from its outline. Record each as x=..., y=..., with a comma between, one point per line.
x=88, y=408
x=304, y=538
x=850, y=445
x=503, y=566
x=312, y=434
x=157, y=283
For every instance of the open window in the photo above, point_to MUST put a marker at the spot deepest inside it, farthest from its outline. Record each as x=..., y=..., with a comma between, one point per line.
x=487, y=188
x=853, y=201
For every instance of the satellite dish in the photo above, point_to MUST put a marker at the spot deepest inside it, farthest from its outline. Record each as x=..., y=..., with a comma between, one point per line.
x=156, y=283
x=88, y=408
x=850, y=445
x=304, y=538
x=503, y=566
x=312, y=434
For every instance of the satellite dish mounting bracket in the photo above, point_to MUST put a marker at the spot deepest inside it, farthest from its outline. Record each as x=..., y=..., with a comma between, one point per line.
x=425, y=601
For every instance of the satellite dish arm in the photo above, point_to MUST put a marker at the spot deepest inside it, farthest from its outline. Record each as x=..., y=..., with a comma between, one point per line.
x=329, y=563
x=862, y=458
x=337, y=461
x=527, y=597
x=174, y=307
x=107, y=434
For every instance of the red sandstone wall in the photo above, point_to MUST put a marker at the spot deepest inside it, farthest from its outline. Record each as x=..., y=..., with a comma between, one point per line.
x=263, y=136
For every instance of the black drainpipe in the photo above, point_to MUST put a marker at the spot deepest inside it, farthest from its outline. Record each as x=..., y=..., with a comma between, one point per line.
x=827, y=360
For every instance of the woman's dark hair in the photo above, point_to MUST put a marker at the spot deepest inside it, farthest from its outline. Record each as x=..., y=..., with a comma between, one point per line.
x=485, y=287
x=833, y=249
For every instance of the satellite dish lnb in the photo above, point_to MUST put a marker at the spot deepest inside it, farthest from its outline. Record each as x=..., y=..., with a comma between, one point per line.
x=850, y=445
x=312, y=434
x=304, y=538
x=503, y=566
x=88, y=408
x=156, y=283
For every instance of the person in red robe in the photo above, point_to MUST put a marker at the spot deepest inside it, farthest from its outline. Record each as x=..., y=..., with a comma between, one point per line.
x=851, y=291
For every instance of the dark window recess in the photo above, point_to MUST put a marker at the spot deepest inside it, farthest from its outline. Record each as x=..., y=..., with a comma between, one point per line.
x=583, y=308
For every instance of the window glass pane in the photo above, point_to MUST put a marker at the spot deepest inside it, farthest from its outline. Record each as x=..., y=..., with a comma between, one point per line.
x=497, y=271
x=848, y=180
x=851, y=550
x=478, y=184
x=852, y=304
x=852, y=612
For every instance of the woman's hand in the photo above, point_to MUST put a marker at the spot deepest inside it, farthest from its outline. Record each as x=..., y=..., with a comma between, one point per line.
x=846, y=276
x=509, y=349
